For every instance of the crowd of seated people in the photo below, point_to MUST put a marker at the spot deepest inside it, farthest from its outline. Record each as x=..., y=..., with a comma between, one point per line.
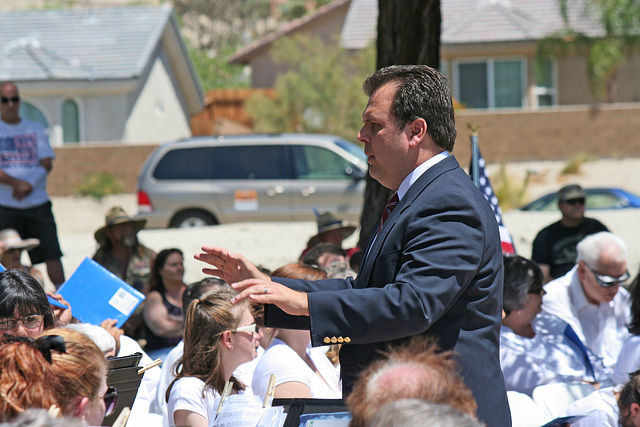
x=583, y=328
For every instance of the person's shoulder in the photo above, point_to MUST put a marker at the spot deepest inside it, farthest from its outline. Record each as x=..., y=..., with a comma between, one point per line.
x=595, y=224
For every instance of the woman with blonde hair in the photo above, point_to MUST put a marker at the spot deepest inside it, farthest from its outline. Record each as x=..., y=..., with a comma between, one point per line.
x=62, y=368
x=218, y=337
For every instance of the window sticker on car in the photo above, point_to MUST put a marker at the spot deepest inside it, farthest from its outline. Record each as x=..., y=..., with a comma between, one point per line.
x=245, y=200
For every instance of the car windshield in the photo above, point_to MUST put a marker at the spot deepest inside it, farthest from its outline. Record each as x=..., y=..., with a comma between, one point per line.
x=351, y=148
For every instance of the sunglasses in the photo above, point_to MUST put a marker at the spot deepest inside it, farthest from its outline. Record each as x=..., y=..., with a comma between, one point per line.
x=252, y=329
x=32, y=321
x=609, y=281
x=578, y=201
x=14, y=99
x=110, y=400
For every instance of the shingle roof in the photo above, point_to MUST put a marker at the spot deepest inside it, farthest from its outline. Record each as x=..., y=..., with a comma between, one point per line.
x=103, y=43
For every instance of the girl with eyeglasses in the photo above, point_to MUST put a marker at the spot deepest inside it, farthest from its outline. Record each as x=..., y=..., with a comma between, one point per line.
x=218, y=337
x=62, y=368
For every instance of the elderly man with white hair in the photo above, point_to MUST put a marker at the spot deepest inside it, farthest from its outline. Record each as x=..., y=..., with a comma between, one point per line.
x=590, y=298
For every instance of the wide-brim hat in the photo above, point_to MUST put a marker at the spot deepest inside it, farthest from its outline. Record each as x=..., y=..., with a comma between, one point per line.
x=117, y=215
x=10, y=239
x=328, y=222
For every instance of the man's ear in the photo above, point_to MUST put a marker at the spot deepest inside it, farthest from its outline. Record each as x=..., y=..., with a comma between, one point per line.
x=634, y=409
x=418, y=131
x=581, y=270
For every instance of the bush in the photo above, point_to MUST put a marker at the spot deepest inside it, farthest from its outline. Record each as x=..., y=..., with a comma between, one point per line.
x=574, y=165
x=510, y=193
x=98, y=185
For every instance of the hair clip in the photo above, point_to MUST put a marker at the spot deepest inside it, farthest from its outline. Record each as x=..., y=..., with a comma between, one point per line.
x=44, y=344
x=633, y=374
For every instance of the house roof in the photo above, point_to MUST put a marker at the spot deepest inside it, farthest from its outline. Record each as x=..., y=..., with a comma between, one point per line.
x=244, y=55
x=476, y=21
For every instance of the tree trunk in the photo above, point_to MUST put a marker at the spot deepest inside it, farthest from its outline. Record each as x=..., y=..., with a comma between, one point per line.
x=408, y=33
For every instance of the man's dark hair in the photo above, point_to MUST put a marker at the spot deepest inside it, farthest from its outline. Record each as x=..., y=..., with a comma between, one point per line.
x=521, y=277
x=422, y=92
x=312, y=257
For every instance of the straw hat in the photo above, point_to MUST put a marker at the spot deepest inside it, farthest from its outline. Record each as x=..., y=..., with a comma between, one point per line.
x=327, y=222
x=117, y=215
x=10, y=239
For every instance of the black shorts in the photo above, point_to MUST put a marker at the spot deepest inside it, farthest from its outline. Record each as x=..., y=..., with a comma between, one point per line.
x=37, y=222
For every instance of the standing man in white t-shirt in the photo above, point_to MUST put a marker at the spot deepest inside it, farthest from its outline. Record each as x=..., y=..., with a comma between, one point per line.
x=26, y=158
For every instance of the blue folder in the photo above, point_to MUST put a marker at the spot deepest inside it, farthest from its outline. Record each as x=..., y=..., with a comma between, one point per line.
x=95, y=294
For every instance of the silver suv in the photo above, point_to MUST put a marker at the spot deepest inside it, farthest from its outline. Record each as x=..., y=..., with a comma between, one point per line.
x=225, y=179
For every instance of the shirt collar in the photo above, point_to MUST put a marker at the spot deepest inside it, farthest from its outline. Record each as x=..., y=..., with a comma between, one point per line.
x=417, y=173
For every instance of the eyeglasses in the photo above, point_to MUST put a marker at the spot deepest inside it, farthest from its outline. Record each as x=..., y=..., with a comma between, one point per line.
x=578, y=201
x=32, y=321
x=14, y=99
x=110, y=400
x=610, y=281
x=252, y=329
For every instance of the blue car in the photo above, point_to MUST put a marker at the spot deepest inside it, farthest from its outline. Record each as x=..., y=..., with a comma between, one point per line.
x=597, y=198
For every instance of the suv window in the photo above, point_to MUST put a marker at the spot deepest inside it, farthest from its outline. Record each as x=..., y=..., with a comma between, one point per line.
x=319, y=163
x=233, y=162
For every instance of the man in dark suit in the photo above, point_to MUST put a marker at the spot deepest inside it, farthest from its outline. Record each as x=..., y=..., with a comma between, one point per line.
x=433, y=268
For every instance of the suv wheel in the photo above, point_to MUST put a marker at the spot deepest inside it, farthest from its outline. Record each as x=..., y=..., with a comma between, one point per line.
x=192, y=218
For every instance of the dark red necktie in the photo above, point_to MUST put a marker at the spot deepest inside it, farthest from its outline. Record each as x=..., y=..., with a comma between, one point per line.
x=391, y=205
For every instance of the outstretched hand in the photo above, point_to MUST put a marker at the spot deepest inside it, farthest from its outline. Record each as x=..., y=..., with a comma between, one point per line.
x=291, y=302
x=229, y=266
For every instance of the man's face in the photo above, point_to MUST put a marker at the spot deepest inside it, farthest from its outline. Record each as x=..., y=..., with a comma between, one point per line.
x=385, y=146
x=123, y=234
x=10, y=110
x=572, y=209
x=597, y=294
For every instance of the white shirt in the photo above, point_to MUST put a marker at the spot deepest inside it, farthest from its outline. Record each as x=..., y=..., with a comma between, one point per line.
x=186, y=394
x=602, y=407
x=628, y=361
x=546, y=358
x=22, y=146
x=602, y=328
x=284, y=362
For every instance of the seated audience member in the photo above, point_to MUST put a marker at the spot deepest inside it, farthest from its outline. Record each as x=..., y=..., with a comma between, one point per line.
x=416, y=412
x=330, y=230
x=412, y=371
x=323, y=255
x=610, y=406
x=629, y=359
x=210, y=358
x=100, y=337
x=535, y=348
x=590, y=297
x=162, y=313
x=301, y=371
x=193, y=291
x=24, y=307
x=62, y=368
x=11, y=247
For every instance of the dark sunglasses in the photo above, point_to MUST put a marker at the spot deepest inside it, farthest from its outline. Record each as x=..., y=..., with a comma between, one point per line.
x=14, y=99
x=110, y=400
x=578, y=201
x=609, y=281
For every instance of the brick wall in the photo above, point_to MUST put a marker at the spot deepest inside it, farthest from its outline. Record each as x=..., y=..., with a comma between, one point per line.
x=555, y=134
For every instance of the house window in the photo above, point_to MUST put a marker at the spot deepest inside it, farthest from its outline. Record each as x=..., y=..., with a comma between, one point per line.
x=31, y=112
x=70, y=122
x=545, y=89
x=491, y=83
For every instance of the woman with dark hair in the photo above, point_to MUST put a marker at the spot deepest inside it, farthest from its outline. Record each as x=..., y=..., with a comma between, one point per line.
x=629, y=358
x=301, y=371
x=162, y=313
x=62, y=368
x=539, y=348
x=24, y=308
x=218, y=337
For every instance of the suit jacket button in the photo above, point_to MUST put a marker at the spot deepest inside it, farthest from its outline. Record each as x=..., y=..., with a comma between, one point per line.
x=334, y=340
x=347, y=339
x=326, y=340
x=340, y=339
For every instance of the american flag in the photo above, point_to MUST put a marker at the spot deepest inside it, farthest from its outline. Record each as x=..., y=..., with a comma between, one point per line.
x=485, y=188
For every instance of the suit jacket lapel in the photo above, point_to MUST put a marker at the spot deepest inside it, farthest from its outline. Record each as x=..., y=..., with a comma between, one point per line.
x=415, y=190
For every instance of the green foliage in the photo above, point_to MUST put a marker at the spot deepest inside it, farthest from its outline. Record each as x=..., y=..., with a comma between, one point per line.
x=98, y=185
x=620, y=20
x=321, y=92
x=574, y=165
x=214, y=71
x=508, y=190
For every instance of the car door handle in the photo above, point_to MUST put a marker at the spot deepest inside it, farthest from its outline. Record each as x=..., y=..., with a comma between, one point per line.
x=307, y=191
x=274, y=191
